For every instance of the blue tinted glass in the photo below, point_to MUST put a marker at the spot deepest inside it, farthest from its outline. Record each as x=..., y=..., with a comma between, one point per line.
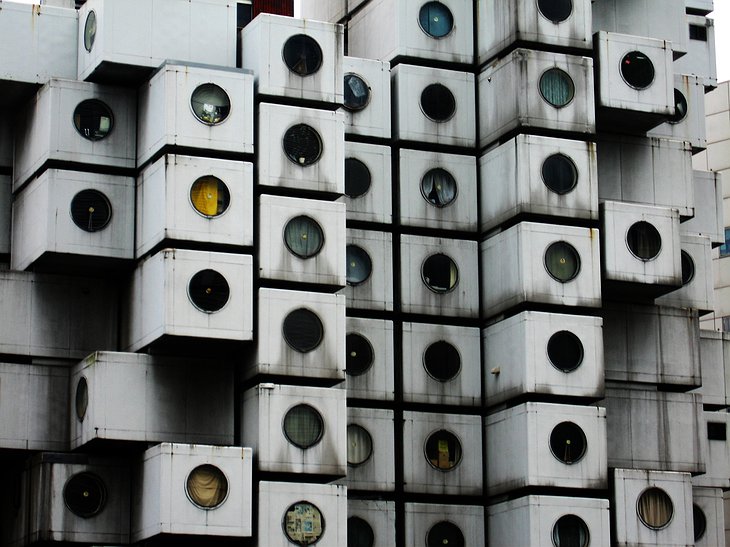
x=725, y=248
x=436, y=19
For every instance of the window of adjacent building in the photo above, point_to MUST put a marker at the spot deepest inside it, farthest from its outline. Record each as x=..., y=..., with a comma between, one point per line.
x=357, y=92
x=209, y=291
x=93, y=119
x=210, y=104
x=565, y=351
x=210, y=196
x=717, y=431
x=359, y=354
x=207, y=486
x=359, y=533
x=556, y=87
x=90, y=31
x=688, y=268
x=359, y=445
x=556, y=11
x=303, y=236
x=442, y=361
x=698, y=32
x=725, y=247
x=440, y=273
x=84, y=494
x=637, y=70
x=438, y=187
x=559, y=173
x=655, y=508
x=244, y=14
x=303, y=523
x=644, y=241
x=91, y=210
x=562, y=261
x=445, y=533
x=357, y=178
x=303, y=426
x=570, y=531
x=443, y=450
x=568, y=442
x=680, y=107
x=82, y=398
x=435, y=19
x=359, y=265
x=438, y=103
x=302, y=54
x=303, y=330
x=302, y=145
x=699, y=522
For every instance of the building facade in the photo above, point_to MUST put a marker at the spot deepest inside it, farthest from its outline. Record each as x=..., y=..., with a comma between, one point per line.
x=397, y=273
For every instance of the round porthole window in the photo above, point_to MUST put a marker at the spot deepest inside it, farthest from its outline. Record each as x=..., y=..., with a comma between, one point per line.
x=82, y=398
x=443, y=450
x=570, y=531
x=637, y=70
x=359, y=354
x=302, y=145
x=207, y=486
x=302, y=54
x=556, y=11
x=438, y=187
x=680, y=107
x=359, y=533
x=442, y=361
x=210, y=104
x=445, y=533
x=565, y=351
x=438, y=103
x=303, y=236
x=359, y=445
x=210, y=196
x=93, y=119
x=559, y=173
x=303, y=426
x=357, y=178
x=435, y=19
x=209, y=291
x=688, y=268
x=357, y=92
x=303, y=523
x=644, y=241
x=303, y=330
x=359, y=265
x=84, y=495
x=91, y=210
x=90, y=30
x=568, y=442
x=440, y=273
x=700, y=522
x=655, y=508
x=557, y=87
x=562, y=261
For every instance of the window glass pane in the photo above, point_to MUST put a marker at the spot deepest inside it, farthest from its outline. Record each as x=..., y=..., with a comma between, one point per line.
x=359, y=354
x=717, y=431
x=244, y=14
x=210, y=104
x=442, y=361
x=725, y=247
x=698, y=32
x=359, y=265
x=562, y=261
x=357, y=178
x=359, y=445
x=435, y=19
x=207, y=486
x=655, y=508
x=559, y=173
x=303, y=426
x=302, y=54
x=303, y=330
x=688, y=268
x=565, y=351
x=84, y=495
x=303, y=523
x=210, y=196
x=637, y=70
x=445, y=533
x=556, y=87
x=644, y=240
x=570, y=531
x=443, y=450
x=91, y=210
x=357, y=92
x=82, y=398
x=438, y=103
x=556, y=11
x=568, y=442
x=359, y=533
x=302, y=145
x=209, y=290
x=438, y=187
x=680, y=107
x=93, y=119
x=440, y=273
x=90, y=30
x=700, y=522
x=303, y=237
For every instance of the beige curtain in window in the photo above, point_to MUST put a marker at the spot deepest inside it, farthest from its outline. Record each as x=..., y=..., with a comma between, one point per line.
x=207, y=486
x=655, y=508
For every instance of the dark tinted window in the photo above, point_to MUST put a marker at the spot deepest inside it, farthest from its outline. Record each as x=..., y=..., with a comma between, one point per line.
x=565, y=351
x=359, y=445
x=359, y=533
x=568, y=442
x=559, y=173
x=698, y=32
x=688, y=268
x=699, y=521
x=84, y=495
x=445, y=533
x=210, y=104
x=717, y=431
x=303, y=236
x=303, y=426
x=93, y=119
x=91, y=210
x=438, y=103
x=357, y=178
x=440, y=273
x=438, y=187
x=303, y=330
x=357, y=92
x=443, y=450
x=570, y=531
x=359, y=265
x=562, y=261
x=359, y=354
x=556, y=11
x=435, y=19
x=644, y=240
x=302, y=145
x=302, y=54
x=209, y=290
x=637, y=70
x=442, y=361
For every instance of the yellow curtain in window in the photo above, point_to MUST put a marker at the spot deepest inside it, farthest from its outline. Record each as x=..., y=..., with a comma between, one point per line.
x=205, y=196
x=207, y=487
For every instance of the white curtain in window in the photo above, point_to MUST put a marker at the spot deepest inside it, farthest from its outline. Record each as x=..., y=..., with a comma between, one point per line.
x=655, y=508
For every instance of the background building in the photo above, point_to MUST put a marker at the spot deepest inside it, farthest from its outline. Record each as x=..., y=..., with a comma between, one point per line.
x=400, y=273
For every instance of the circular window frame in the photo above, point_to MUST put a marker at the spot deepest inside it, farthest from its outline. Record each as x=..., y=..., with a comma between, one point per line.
x=354, y=160
x=108, y=110
x=372, y=353
x=693, y=269
x=628, y=246
x=425, y=365
x=439, y=291
x=321, y=422
x=102, y=488
x=319, y=49
x=370, y=262
x=641, y=518
x=366, y=84
x=453, y=22
x=195, y=305
x=573, y=166
x=441, y=522
x=315, y=315
x=583, y=453
x=423, y=190
x=98, y=194
x=674, y=119
x=577, y=259
x=370, y=531
x=81, y=398
x=290, y=157
x=321, y=232
x=423, y=110
x=555, y=22
x=195, y=114
x=190, y=497
x=570, y=79
x=457, y=463
x=89, y=40
x=580, y=345
x=370, y=440
x=190, y=197
x=322, y=520
x=695, y=510
x=568, y=515
x=621, y=72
